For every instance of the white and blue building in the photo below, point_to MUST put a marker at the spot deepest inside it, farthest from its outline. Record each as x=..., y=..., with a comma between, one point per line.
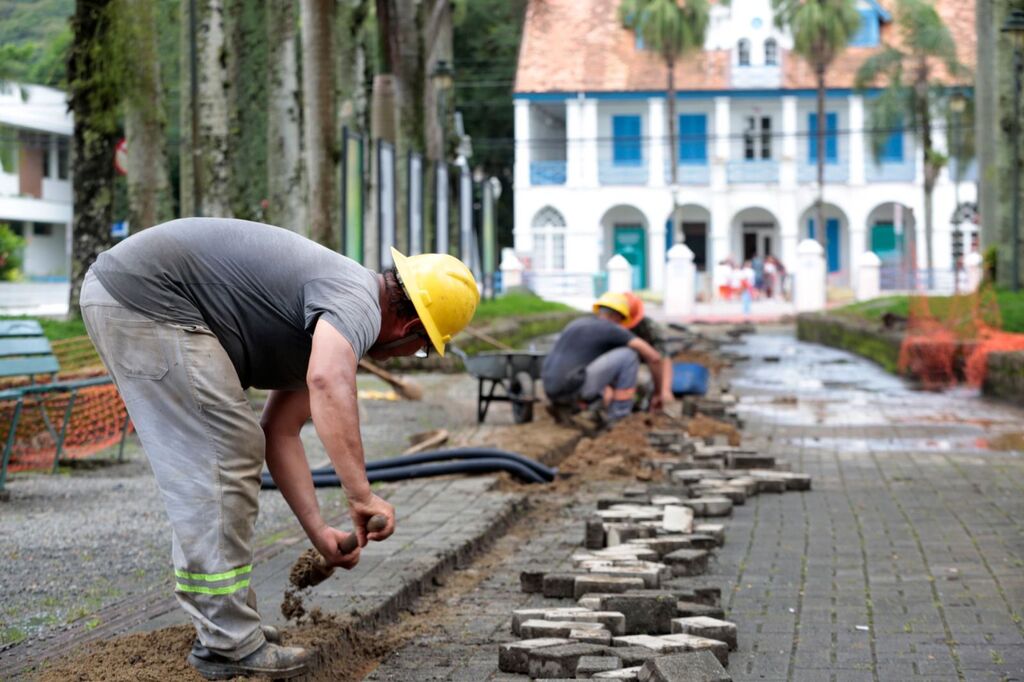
x=593, y=165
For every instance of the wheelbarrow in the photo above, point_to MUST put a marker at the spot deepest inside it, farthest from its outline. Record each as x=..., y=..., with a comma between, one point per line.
x=505, y=376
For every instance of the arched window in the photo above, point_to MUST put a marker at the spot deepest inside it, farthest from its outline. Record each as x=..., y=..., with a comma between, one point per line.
x=548, y=240
x=743, y=52
x=771, y=52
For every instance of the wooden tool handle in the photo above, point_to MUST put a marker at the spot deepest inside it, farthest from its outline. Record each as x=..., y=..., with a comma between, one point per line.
x=377, y=522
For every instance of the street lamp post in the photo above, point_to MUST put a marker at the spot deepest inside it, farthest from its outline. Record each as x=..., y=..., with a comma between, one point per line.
x=1014, y=26
x=957, y=105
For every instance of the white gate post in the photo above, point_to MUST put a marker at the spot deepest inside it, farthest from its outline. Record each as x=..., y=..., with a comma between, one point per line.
x=679, y=281
x=620, y=274
x=869, y=276
x=511, y=270
x=810, y=276
x=973, y=264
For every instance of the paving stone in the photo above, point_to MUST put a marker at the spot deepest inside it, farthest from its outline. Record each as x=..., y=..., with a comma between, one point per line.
x=613, y=621
x=514, y=656
x=665, y=500
x=678, y=518
x=621, y=533
x=748, y=460
x=663, y=544
x=560, y=660
x=650, y=573
x=602, y=583
x=695, y=666
x=539, y=628
x=736, y=494
x=687, y=562
x=703, y=541
x=715, y=530
x=694, y=643
x=621, y=674
x=557, y=585
x=520, y=616
x=589, y=665
x=710, y=506
x=654, y=643
x=644, y=613
x=689, y=609
x=609, y=502
x=703, y=626
x=594, y=535
x=602, y=636
x=531, y=581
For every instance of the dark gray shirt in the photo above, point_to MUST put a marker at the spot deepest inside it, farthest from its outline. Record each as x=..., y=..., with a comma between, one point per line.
x=259, y=289
x=581, y=342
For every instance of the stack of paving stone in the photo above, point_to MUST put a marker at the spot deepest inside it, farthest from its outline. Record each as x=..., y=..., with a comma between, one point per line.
x=635, y=617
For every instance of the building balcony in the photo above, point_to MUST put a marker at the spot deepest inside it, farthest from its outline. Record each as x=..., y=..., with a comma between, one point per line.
x=755, y=77
x=547, y=172
x=903, y=171
x=689, y=174
x=610, y=173
x=753, y=171
x=835, y=172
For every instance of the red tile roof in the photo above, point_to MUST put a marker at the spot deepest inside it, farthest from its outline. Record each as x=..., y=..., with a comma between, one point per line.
x=579, y=45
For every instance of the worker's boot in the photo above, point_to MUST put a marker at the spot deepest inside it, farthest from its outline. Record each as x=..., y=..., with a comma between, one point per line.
x=270, y=660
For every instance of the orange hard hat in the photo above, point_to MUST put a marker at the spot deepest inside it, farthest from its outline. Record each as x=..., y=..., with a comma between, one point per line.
x=636, y=310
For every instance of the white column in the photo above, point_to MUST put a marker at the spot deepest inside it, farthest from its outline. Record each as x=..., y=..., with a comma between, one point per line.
x=657, y=215
x=789, y=229
x=657, y=142
x=809, y=284
x=680, y=276
x=788, y=163
x=511, y=270
x=574, y=142
x=720, y=153
x=720, y=233
x=857, y=229
x=869, y=275
x=620, y=274
x=973, y=264
x=588, y=142
x=523, y=143
x=856, y=127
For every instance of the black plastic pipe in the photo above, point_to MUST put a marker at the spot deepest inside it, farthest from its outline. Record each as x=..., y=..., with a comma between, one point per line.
x=468, y=453
x=401, y=473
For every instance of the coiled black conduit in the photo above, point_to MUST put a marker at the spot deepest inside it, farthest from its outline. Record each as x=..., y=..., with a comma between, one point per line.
x=438, y=463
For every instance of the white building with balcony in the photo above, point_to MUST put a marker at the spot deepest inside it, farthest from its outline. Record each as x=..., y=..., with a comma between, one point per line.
x=593, y=172
x=35, y=176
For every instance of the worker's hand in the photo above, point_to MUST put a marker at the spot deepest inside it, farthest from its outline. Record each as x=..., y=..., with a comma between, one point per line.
x=328, y=542
x=362, y=509
x=661, y=401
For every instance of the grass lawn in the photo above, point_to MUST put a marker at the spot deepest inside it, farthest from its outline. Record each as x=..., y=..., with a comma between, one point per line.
x=55, y=329
x=514, y=304
x=1011, y=308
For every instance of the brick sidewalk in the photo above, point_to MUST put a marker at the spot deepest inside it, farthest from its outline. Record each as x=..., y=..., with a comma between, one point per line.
x=903, y=563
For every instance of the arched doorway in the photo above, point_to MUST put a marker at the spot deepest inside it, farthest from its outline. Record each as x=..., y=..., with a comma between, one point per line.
x=693, y=228
x=837, y=232
x=755, y=234
x=891, y=231
x=548, y=227
x=625, y=233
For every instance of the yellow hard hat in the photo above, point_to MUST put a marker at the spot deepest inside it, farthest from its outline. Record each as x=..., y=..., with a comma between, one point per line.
x=443, y=291
x=617, y=302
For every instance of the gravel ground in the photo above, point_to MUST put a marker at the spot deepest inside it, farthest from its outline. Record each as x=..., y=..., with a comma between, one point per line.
x=74, y=543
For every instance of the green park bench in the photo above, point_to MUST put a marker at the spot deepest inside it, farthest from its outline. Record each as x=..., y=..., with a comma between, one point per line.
x=25, y=353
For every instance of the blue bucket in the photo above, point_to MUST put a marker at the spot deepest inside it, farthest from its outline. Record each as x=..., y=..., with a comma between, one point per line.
x=689, y=379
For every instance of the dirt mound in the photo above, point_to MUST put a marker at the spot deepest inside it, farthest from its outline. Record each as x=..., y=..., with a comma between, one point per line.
x=702, y=426
x=308, y=570
x=621, y=452
x=148, y=656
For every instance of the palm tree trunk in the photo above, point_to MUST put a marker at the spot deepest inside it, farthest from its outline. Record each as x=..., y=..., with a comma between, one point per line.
x=931, y=171
x=149, y=192
x=673, y=149
x=285, y=189
x=409, y=74
x=94, y=104
x=820, y=232
x=319, y=100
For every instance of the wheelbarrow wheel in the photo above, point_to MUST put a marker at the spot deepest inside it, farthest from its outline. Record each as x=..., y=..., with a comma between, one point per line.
x=521, y=394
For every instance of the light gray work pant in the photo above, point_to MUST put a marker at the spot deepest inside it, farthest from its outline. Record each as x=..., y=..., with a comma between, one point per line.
x=616, y=368
x=206, y=449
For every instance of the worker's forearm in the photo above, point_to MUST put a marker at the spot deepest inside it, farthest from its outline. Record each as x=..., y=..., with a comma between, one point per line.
x=286, y=460
x=657, y=373
x=336, y=418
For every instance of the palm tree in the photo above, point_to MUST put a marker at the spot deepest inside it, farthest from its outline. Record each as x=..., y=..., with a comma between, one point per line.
x=319, y=119
x=910, y=72
x=671, y=29
x=821, y=29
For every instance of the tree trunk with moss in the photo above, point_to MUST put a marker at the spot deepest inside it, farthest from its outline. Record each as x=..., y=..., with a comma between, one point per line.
x=94, y=97
x=437, y=36
x=285, y=180
x=149, y=191
x=409, y=74
x=318, y=93
x=246, y=53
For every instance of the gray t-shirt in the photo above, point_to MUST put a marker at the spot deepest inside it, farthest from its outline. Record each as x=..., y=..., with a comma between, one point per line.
x=581, y=342
x=259, y=289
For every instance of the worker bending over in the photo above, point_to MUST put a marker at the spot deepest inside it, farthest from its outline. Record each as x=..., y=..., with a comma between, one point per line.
x=186, y=316
x=596, y=353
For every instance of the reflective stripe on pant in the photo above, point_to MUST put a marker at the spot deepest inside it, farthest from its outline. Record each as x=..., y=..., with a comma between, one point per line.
x=618, y=369
x=206, y=448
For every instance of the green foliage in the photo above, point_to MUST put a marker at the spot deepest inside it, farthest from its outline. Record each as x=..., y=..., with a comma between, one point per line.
x=821, y=29
x=11, y=253
x=990, y=264
x=34, y=41
x=667, y=28
x=516, y=303
x=1009, y=303
x=14, y=62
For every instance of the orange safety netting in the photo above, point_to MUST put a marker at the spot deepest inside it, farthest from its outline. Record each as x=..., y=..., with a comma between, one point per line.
x=96, y=423
x=940, y=348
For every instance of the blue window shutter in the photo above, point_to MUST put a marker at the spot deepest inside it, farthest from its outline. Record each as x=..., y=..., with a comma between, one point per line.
x=892, y=152
x=867, y=34
x=831, y=138
x=693, y=143
x=626, y=149
x=810, y=228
